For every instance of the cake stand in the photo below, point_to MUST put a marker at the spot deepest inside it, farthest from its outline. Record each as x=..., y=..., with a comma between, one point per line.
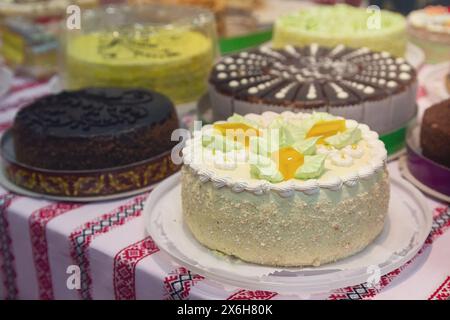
x=81, y=185
x=407, y=225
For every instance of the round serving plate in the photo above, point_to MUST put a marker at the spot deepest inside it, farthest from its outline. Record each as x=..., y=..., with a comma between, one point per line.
x=433, y=80
x=81, y=185
x=427, y=175
x=6, y=78
x=408, y=224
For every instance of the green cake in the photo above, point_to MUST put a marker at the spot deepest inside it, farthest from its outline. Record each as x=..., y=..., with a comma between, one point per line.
x=343, y=24
x=175, y=62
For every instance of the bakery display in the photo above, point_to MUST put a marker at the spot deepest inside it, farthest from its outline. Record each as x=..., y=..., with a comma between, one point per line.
x=370, y=87
x=343, y=24
x=429, y=28
x=173, y=56
x=93, y=129
x=28, y=48
x=435, y=133
x=289, y=189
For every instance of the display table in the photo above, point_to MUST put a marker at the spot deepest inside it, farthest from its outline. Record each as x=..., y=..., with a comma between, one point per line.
x=46, y=246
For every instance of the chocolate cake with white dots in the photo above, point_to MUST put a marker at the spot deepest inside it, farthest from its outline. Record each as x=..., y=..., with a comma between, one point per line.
x=375, y=88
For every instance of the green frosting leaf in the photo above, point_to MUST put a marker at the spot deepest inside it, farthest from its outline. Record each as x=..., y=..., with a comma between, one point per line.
x=266, y=169
x=263, y=146
x=312, y=167
x=345, y=138
x=237, y=118
x=291, y=133
x=219, y=142
x=307, y=146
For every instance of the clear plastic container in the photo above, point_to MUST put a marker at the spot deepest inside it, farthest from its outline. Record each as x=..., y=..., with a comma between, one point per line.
x=169, y=49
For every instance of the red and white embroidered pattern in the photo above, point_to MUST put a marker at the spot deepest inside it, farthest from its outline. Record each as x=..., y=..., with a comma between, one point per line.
x=125, y=266
x=7, y=264
x=443, y=292
x=252, y=295
x=441, y=223
x=179, y=282
x=82, y=237
x=38, y=222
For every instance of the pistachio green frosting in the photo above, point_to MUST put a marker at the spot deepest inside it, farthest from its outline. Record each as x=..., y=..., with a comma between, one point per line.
x=175, y=62
x=344, y=139
x=343, y=24
x=313, y=167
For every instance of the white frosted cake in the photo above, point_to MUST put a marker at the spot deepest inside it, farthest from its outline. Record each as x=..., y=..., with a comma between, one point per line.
x=289, y=189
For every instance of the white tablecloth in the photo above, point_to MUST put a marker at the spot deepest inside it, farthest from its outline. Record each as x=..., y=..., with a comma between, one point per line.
x=43, y=242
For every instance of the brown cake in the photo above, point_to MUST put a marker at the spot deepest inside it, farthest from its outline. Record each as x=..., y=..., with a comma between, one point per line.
x=94, y=129
x=447, y=81
x=435, y=134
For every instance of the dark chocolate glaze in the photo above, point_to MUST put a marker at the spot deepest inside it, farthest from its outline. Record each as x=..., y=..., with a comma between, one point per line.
x=94, y=129
x=311, y=76
x=93, y=112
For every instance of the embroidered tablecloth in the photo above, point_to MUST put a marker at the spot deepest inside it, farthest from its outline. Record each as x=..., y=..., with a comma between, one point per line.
x=45, y=246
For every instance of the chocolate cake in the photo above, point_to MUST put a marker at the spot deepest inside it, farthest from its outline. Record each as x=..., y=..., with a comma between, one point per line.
x=447, y=81
x=94, y=129
x=435, y=133
x=375, y=88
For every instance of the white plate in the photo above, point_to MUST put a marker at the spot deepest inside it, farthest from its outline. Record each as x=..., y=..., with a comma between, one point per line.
x=407, y=226
x=6, y=78
x=433, y=79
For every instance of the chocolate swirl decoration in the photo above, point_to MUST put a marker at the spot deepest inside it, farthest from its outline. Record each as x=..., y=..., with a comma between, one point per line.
x=312, y=75
x=100, y=110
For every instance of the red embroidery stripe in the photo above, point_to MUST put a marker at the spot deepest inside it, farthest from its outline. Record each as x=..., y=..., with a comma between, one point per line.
x=38, y=222
x=83, y=236
x=179, y=282
x=252, y=295
x=7, y=264
x=26, y=85
x=443, y=292
x=125, y=267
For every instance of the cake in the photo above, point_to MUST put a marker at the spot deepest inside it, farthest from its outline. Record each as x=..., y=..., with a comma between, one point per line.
x=435, y=133
x=173, y=62
x=375, y=88
x=429, y=28
x=93, y=128
x=28, y=47
x=447, y=81
x=343, y=24
x=285, y=189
